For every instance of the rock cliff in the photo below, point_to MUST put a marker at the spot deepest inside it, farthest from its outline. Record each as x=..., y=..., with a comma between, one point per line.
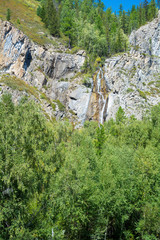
x=134, y=77
x=50, y=71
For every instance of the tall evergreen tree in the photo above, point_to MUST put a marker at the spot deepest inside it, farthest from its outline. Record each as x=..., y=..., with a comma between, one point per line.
x=140, y=15
x=152, y=10
x=51, y=18
x=145, y=6
x=67, y=20
x=120, y=10
x=123, y=21
x=8, y=15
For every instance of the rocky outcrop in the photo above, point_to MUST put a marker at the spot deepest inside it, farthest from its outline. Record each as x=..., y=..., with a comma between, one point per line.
x=146, y=39
x=15, y=54
x=20, y=56
x=134, y=77
x=43, y=67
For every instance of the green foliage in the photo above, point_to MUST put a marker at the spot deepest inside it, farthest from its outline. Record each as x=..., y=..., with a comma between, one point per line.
x=17, y=83
x=60, y=105
x=142, y=94
x=48, y=13
x=8, y=15
x=129, y=90
x=87, y=80
x=98, y=182
x=86, y=66
x=152, y=10
x=85, y=24
x=100, y=139
x=18, y=21
x=66, y=20
x=23, y=150
x=51, y=18
x=120, y=116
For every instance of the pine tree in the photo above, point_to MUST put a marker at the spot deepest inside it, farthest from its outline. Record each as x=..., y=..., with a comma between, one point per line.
x=120, y=10
x=51, y=18
x=41, y=12
x=8, y=15
x=145, y=6
x=123, y=21
x=152, y=10
x=67, y=21
x=108, y=40
x=133, y=19
x=140, y=15
x=99, y=23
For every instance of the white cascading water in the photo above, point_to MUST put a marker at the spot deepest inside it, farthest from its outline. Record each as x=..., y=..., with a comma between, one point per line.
x=102, y=99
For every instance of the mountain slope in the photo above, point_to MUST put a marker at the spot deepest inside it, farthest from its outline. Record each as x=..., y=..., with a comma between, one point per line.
x=24, y=17
x=132, y=79
x=56, y=74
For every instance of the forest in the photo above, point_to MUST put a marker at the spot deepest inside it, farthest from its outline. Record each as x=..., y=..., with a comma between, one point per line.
x=98, y=182
x=88, y=25
x=61, y=183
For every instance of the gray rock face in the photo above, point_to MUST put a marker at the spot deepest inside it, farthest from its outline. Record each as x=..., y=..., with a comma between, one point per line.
x=14, y=50
x=42, y=67
x=134, y=78
x=79, y=101
x=20, y=56
x=146, y=38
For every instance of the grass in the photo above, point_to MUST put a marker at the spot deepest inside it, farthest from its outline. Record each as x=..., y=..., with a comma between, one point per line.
x=151, y=83
x=43, y=96
x=155, y=90
x=158, y=84
x=129, y=90
x=60, y=105
x=72, y=112
x=77, y=75
x=144, y=94
x=28, y=21
x=18, y=84
x=133, y=71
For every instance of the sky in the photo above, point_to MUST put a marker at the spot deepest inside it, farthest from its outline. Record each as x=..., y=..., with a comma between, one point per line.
x=127, y=4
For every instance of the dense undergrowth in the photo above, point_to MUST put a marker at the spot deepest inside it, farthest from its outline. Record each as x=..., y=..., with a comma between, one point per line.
x=90, y=183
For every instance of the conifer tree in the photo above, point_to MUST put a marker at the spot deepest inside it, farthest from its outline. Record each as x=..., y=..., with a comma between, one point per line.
x=108, y=40
x=123, y=21
x=152, y=10
x=67, y=20
x=41, y=12
x=145, y=6
x=140, y=15
x=51, y=19
x=8, y=16
x=120, y=10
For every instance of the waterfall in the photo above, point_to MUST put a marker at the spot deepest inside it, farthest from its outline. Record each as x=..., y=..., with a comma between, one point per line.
x=97, y=109
x=102, y=96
